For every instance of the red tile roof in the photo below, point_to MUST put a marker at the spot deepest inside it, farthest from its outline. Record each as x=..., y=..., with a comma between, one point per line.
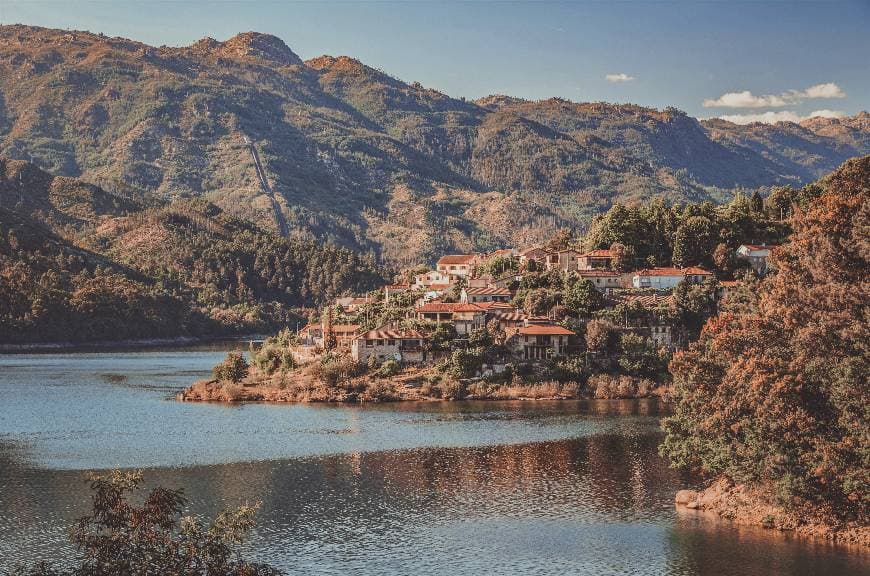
x=542, y=330
x=494, y=305
x=387, y=333
x=758, y=247
x=488, y=291
x=692, y=270
x=443, y=307
x=456, y=259
x=527, y=251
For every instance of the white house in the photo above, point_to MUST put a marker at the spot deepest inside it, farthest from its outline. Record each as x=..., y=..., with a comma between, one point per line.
x=387, y=343
x=604, y=280
x=667, y=278
x=457, y=264
x=485, y=294
x=432, y=278
x=756, y=255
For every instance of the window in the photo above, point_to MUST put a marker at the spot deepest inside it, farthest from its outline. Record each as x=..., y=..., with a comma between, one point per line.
x=370, y=343
x=391, y=342
x=379, y=342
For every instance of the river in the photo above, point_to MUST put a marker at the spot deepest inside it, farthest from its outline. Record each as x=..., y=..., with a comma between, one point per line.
x=410, y=488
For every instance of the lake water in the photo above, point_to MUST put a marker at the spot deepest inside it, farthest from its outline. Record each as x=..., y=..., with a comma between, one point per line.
x=413, y=488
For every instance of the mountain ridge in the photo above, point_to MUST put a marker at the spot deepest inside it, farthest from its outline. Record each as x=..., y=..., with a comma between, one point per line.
x=362, y=159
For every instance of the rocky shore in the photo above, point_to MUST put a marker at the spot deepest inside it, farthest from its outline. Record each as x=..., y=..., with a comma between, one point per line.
x=756, y=507
x=309, y=384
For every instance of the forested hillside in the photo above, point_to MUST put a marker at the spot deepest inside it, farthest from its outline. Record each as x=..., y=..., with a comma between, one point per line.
x=354, y=156
x=775, y=395
x=80, y=264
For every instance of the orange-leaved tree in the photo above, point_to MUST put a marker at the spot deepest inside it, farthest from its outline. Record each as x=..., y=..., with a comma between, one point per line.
x=778, y=396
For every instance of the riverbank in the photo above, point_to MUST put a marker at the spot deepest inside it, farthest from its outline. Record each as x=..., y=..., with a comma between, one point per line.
x=757, y=507
x=312, y=384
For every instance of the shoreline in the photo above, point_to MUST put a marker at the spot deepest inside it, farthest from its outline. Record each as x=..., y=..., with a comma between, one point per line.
x=140, y=343
x=411, y=385
x=753, y=506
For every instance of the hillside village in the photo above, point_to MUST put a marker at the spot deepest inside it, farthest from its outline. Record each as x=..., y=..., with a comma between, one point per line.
x=465, y=293
x=544, y=321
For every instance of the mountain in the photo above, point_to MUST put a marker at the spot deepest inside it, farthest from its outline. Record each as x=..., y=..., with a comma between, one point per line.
x=335, y=150
x=78, y=263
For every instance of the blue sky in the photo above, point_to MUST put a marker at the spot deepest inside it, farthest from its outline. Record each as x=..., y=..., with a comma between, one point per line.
x=744, y=59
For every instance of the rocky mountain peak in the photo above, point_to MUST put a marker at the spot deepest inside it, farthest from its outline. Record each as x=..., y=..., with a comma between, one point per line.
x=259, y=46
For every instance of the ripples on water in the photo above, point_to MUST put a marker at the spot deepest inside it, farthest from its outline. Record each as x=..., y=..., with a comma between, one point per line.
x=488, y=488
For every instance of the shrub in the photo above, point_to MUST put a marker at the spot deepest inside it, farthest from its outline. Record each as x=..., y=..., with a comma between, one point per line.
x=389, y=368
x=234, y=368
x=122, y=538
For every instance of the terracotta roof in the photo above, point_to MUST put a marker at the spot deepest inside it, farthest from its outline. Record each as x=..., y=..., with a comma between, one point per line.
x=599, y=254
x=510, y=316
x=647, y=300
x=525, y=251
x=672, y=271
x=456, y=259
x=542, y=330
x=494, y=305
x=448, y=307
x=387, y=333
x=758, y=247
x=345, y=327
x=488, y=291
x=502, y=252
x=439, y=286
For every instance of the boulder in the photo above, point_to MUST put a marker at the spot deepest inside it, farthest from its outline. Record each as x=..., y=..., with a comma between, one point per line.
x=686, y=496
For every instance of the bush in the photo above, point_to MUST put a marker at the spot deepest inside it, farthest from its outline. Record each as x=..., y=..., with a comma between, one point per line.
x=122, y=538
x=389, y=368
x=272, y=357
x=234, y=368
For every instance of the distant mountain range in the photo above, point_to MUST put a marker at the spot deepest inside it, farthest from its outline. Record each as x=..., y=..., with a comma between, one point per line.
x=350, y=154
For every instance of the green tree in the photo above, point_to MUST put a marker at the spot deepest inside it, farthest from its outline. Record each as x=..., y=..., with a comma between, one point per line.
x=580, y=296
x=694, y=241
x=122, y=538
x=234, y=368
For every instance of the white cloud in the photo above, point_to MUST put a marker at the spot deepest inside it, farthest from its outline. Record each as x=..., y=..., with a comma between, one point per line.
x=827, y=90
x=781, y=116
x=747, y=99
x=621, y=77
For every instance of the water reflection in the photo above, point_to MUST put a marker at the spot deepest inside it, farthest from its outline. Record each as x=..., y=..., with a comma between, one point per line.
x=411, y=488
x=594, y=505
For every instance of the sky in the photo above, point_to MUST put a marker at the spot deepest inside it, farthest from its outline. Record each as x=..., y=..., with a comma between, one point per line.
x=740, y=60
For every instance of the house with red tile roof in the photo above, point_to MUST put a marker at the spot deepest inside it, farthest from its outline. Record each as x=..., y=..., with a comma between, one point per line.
x=458, y=264
x=604, y=280
x=480, y=294
x=756, y=255
x=312, y=334
x=464, y=316
x=539, y=341
x=596, y=260
x=388, y=343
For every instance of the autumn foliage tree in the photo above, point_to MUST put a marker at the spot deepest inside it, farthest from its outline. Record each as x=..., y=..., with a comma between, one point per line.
x=778, y=397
